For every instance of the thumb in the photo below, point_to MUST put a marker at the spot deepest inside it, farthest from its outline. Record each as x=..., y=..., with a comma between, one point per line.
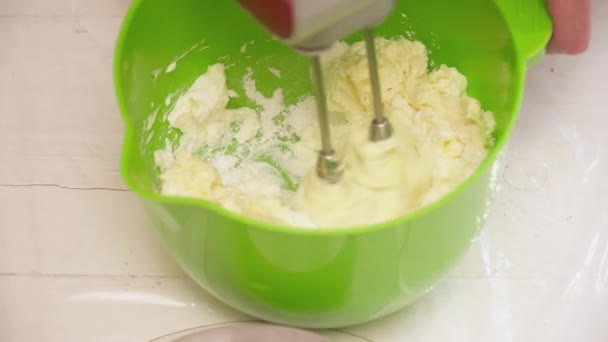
x=571, y=26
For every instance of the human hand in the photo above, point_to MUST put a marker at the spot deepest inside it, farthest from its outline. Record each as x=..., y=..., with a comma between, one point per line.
x=571, y=26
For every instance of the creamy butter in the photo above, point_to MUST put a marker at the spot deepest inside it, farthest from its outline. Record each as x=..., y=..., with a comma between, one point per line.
x=441, y=135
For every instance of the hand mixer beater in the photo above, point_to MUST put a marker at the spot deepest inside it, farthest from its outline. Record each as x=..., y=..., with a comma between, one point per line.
x=311, y=27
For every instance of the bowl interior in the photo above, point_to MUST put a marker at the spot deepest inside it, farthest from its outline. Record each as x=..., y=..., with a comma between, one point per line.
x=470, y=35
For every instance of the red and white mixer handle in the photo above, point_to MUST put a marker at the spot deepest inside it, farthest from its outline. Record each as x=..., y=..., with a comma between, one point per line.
x=311, y=26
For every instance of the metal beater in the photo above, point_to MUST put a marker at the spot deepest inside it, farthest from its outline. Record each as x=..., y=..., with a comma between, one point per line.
x=311, y=27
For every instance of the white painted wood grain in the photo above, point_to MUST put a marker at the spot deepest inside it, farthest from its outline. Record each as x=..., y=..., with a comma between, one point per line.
x=103, y=309
x=60, y=123
x=50, y=230
x=115, y=8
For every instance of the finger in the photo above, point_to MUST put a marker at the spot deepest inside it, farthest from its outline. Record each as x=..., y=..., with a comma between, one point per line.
x=571, y=26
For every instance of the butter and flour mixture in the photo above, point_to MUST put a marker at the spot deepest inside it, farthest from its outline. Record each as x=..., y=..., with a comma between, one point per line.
x=260, y=161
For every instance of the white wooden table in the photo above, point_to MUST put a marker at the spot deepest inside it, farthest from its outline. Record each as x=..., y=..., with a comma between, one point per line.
x=79, y=262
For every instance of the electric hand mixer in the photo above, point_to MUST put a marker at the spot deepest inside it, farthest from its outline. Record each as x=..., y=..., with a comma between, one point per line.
x=311, y=27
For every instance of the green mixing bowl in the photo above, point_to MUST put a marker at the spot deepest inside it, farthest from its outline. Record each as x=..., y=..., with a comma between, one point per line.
x=315, y=278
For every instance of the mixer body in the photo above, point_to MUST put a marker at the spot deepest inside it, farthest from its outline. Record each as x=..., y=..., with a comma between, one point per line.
x=312, y=26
